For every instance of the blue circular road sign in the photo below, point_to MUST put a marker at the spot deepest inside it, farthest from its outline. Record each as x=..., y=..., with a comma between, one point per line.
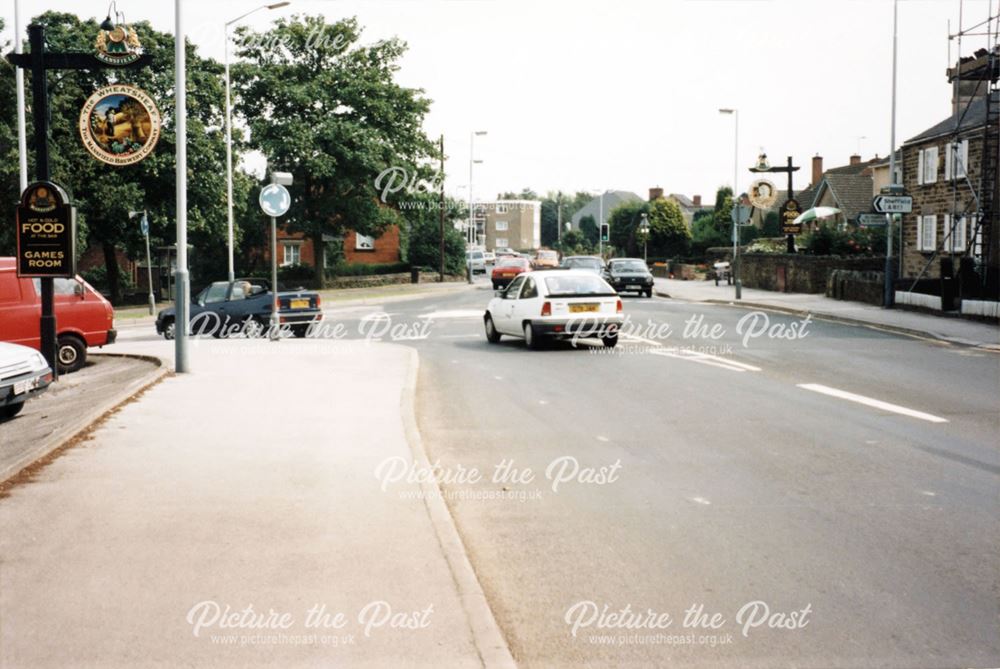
x=275, y=200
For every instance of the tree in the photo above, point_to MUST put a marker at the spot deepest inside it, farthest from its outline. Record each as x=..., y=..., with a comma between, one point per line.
x=328, y=109
x=588, y=226
x=424, y=236
x=624, y=222
x=669, y=236
x=103, y=194
x=9, y=184
x=713, y=228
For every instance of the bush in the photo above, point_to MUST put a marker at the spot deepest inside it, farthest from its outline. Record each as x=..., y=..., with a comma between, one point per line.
x=828, y=240
x=302, y=273
x=98, y=278
x=425, y=250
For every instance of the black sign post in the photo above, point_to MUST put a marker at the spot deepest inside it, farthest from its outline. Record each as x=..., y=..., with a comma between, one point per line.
x=789, y=212
x=38, y=62
x=791, y=196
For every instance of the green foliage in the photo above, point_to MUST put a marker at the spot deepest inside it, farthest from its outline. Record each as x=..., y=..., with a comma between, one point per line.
x=590, y=230
x=713, y=228
x=298, y=273
x=829, y=240
x=772, y=225
x=551, y=204
x=326, y=108
x=575, y=243
x=668, y=234
x=98, y=278
x=424, y=248
x=624, y=220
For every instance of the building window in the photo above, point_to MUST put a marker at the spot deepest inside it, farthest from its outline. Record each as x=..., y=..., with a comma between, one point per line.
x=926, y=232
x=291, y=254
x=955, y=237
x=501, y=243
x=501, y=208
x=956, y=159
x=501, y=226
x=363, y=242
x=927, y=165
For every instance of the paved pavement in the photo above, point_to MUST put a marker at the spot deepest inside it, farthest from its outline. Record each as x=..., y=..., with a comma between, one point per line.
x=956, y=330
x=249, y=483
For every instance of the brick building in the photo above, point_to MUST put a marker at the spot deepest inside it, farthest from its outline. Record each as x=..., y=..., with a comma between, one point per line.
x=297, y=249
x=515, y=224
x=950, y=170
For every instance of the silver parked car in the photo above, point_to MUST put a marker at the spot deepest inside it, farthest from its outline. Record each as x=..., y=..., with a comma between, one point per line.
x=23, y=374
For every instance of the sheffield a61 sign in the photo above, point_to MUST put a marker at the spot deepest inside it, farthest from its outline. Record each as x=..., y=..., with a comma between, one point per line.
x=46, y=232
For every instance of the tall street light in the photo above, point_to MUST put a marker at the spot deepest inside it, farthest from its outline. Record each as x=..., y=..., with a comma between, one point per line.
x=472, y=162
x=644, y=229
x=22, y=140
x=229, y=132
x=736, y=166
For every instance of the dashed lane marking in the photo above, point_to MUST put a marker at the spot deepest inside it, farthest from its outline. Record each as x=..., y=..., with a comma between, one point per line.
x=869, y=401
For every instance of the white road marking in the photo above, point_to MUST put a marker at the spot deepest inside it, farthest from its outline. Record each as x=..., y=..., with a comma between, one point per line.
x=868, y=401
x=454, y=313
x=706, y=359
x=498, y=378
x=641, y=340
x=699, y=500
x=460, y=336
x=928, y=493
x=543, y=401
x=602, y=438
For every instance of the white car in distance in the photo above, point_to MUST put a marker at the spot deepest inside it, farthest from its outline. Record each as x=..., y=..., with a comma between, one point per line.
x=555, y=304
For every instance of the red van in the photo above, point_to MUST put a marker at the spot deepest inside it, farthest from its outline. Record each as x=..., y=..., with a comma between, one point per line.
x=83, y=317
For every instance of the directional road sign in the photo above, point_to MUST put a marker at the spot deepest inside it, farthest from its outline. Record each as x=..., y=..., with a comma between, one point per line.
x=893, y=204
x=275, y=200
x=871, y=220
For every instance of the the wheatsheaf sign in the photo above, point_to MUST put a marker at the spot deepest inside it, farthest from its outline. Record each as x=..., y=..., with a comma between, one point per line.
x=120, y=124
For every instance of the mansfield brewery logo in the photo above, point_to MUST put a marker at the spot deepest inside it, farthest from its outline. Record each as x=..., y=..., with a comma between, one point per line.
x=117, y=45
x=120, y=124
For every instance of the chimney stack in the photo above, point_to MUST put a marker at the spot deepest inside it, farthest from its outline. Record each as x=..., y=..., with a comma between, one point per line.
x=855, y=159
x=817, y=170
x=655, y=193
x=970, y=79
x=696, y=200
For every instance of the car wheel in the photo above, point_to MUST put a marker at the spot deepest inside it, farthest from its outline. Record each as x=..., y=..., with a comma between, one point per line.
x=649, y=292
x=71, y=355
x=168, y=330
x=610, y=342
x=11, y=410
x=531, y=340
x=300, y=331
x=492, y=336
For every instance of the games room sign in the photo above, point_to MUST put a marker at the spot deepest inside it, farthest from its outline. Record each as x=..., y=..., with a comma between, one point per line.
x=46, y=232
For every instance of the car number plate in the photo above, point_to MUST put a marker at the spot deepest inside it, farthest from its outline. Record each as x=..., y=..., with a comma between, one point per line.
x=21, y=387
x=300, y=304
x=582, y=308
x=634, y=285
x=507, y=275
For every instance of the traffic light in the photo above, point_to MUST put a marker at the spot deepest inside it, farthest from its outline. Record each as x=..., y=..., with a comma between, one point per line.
x=605, y=232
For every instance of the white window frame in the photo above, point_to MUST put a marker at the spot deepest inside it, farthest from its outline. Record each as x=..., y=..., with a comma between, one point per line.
x=956, y=160
x=501, y=243
x=927, y=164
x=955, y=240
x=291, y=246
x=501, y=226
x=501, y=208
x=360, y=242
x=927, y=242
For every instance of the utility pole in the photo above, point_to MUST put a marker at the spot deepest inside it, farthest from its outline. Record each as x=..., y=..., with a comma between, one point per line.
x=22, y=140
x=181, y=279
x=559, y=219
x=889, y=294
x=441, y=211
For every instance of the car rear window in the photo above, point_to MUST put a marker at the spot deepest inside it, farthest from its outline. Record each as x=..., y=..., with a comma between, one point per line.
x=629, y=266
x=571, y=286
x=591, y=263
x=511, y=262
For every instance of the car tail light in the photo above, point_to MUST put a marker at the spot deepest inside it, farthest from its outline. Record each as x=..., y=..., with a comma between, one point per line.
x=546, y=309
x=319, y=301
x=619, y=308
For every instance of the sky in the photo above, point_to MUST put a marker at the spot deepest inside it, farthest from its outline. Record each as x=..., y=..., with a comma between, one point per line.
x=624, y=95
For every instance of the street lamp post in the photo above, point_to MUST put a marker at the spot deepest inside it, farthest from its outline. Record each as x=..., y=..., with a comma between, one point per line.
x=22, y=138
x=472, y=161
x=644, y=229
x=736, y=166
x=229, y=133
x=889, y=294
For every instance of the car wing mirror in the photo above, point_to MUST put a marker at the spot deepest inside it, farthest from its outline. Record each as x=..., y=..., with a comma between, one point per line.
x=79, y=291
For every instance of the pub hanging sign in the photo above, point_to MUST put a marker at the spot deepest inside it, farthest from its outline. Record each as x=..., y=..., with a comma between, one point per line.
x=120, y=124
x=46, y=232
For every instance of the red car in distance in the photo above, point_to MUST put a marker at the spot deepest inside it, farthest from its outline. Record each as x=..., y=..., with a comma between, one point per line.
x=507, y=269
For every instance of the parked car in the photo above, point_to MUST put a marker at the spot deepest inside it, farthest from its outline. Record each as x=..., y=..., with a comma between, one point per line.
x=629, y=274
x=506, y=269
x=23, y=374
x=545, y=258
x=589, y=263
x=229, y=306
x=551, y=304
x=83, y=317
x=489, y=257
x=476, y=260
x=507, y=252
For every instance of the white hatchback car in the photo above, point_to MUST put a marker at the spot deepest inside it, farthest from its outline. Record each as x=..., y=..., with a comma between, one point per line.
x=23, y=374
x=555, y=304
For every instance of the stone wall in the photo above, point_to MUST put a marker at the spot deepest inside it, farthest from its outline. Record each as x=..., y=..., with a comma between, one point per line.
x=386, y=280
x=855, y=286
x=795, y=273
